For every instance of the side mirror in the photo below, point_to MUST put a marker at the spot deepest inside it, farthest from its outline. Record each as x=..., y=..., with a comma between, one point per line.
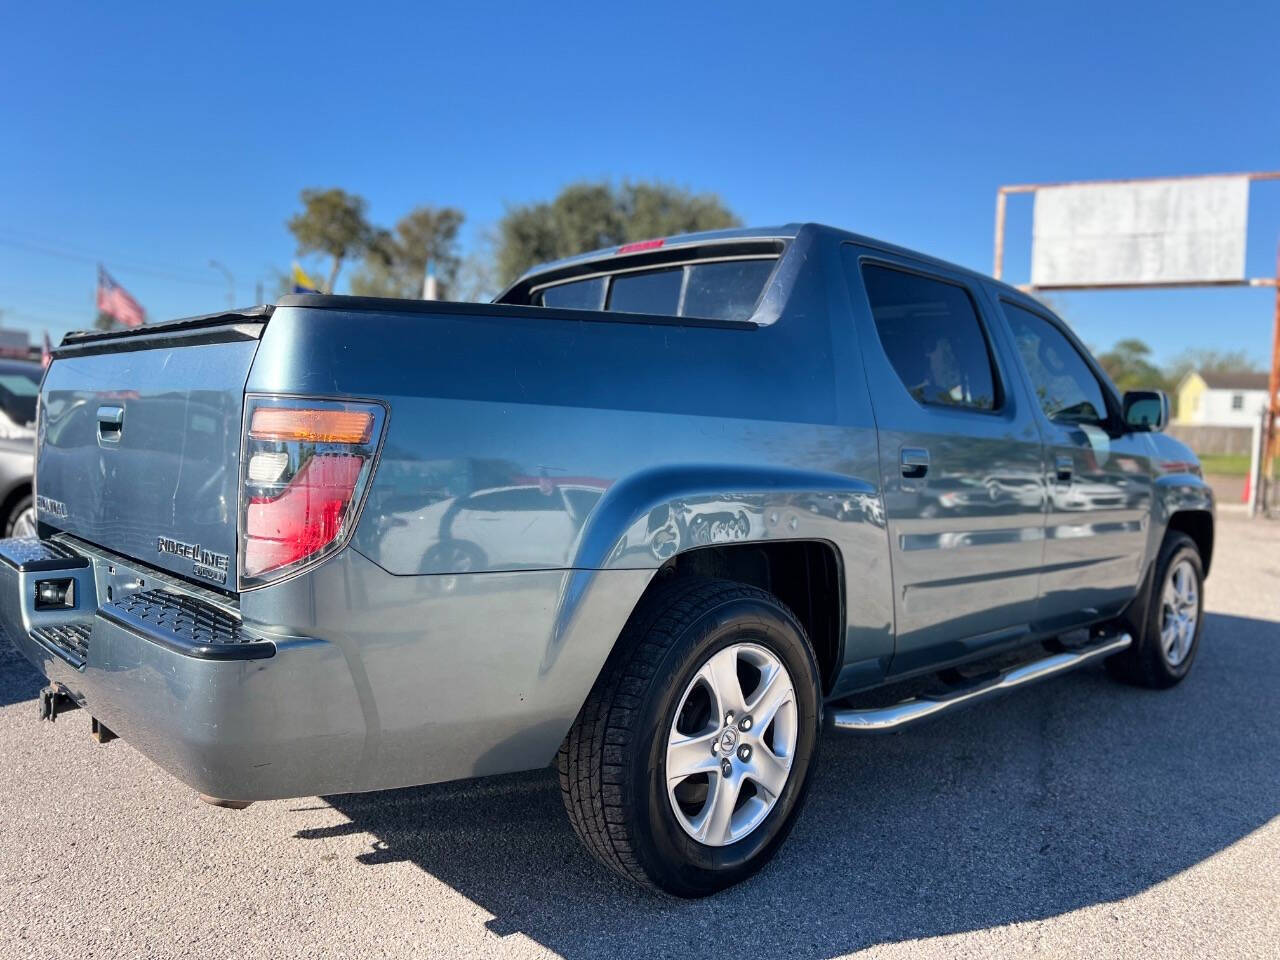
x=1146, y=410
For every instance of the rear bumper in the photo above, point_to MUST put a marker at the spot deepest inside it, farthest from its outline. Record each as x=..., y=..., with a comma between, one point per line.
x=234, y=711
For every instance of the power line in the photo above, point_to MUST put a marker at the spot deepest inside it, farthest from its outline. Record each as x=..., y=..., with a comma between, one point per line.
x=130, y=266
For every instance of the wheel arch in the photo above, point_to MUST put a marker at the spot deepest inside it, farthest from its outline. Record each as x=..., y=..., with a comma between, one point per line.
x=1186, y=504
x=806, y=575
x=1199, y=526
x=789, y=531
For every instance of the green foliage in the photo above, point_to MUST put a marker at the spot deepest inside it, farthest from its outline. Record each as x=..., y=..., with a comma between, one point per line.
x=1230, y=464
x=1206, y=360
x=396, y=262
x=332, y=223
x=1129, y=366
x=589, y=216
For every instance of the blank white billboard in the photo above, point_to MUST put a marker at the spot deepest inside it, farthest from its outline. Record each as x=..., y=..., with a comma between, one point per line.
x=1140, y=232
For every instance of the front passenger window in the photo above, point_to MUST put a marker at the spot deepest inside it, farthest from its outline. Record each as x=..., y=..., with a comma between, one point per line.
x=1065, y=386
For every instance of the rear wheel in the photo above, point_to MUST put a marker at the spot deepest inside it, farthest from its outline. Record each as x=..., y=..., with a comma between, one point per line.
x=1165, y=645
x=686, y=767
x=21, y=521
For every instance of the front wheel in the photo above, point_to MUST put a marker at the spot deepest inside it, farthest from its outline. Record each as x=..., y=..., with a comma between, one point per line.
x=1166, y=644
x=688, y=764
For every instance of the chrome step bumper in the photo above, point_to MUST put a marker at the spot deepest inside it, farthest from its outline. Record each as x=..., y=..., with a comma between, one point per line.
x=899, y=715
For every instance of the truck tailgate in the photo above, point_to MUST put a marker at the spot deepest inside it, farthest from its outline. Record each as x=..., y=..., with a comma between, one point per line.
x=139, y=448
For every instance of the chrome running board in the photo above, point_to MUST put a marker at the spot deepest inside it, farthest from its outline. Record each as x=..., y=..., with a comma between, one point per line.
x=887, y=719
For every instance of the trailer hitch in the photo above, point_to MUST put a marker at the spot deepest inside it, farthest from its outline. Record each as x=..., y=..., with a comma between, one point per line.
x=54, y=700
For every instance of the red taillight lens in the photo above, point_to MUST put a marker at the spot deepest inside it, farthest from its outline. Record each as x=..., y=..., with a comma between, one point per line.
x=305, y=518
x=306, y=463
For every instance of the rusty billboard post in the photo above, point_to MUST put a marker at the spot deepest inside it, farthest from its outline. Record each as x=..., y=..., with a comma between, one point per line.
x=1270, y=442
x=1172, y=248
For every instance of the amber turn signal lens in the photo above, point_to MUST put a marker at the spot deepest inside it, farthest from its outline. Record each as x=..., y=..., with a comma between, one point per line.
x=311, y=426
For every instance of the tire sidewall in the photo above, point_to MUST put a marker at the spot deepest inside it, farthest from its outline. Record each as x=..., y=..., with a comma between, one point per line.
x=689, y=867
x=23, y=504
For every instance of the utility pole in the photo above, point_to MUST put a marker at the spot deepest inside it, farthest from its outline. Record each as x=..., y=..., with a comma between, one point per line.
x=231, y=283
x=1269, y=445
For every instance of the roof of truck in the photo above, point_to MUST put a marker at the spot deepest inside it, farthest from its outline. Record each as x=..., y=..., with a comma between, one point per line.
x=744, y=241
x=702, y=238
x=785, y=232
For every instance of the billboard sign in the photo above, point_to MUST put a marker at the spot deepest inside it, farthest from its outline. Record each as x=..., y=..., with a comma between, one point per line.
x=1140, y=232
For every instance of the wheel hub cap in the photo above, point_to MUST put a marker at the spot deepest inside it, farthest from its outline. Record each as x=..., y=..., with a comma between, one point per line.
x=1179, y=612
x=728, y=740
x=724, y=771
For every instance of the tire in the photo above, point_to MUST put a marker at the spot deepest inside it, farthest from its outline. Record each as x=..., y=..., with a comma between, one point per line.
x=21, y=521
x=613, y=764
x=1150, y=661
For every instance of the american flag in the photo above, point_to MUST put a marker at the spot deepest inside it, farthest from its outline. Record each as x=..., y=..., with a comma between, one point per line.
x=115, y=302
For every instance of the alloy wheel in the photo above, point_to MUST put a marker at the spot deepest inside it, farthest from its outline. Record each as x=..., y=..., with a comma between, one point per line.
x=1179, y=612
x=731, y=744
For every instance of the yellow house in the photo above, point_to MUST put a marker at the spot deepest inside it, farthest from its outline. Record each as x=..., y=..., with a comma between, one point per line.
x=1221, y=399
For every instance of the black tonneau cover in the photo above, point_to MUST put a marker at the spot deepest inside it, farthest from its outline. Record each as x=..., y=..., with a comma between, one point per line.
x=245, y=324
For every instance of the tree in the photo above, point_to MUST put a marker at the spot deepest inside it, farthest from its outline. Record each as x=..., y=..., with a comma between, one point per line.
x=396, y=262
x=333, y=223
x=589, y=216
x=1129, y=366
x=1207, y=360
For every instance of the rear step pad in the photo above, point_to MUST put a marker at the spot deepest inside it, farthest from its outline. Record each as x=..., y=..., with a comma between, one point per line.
x=899, y=715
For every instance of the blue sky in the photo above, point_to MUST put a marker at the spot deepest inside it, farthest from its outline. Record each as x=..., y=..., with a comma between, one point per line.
x=156, y=137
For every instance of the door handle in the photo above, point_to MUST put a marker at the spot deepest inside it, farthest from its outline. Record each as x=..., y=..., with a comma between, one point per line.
x=1063, y=466
x=110, y=423
x=914, y=462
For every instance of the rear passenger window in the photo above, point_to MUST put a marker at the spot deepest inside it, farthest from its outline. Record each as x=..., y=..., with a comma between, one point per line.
x=1065, y=386
x=930, y=331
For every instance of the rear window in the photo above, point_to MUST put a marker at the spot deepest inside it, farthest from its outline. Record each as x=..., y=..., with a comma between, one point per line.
x=580, y=295
x=656, y=292
x=719, y=290
x=726, y=291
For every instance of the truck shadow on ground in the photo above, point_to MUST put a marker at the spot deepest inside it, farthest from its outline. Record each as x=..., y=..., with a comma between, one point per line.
x=1082, y=792
x=19, y=680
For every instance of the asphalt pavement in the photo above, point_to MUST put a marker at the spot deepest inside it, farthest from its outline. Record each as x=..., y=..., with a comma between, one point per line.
x=1079, y=819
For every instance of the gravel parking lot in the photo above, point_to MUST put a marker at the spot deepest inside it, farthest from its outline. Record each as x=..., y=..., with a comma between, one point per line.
x=1081, y=819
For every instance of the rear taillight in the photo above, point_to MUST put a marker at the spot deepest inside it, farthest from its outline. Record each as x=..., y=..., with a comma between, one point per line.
x=305, y=468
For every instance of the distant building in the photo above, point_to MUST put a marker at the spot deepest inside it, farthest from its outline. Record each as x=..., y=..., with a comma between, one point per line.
x=15, y=343
x=1222, y=399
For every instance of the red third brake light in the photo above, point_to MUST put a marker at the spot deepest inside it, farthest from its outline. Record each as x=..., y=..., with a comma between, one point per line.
x=305, y=518
x=639, y=246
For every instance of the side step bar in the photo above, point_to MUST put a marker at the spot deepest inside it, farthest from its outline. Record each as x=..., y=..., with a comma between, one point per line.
x=888, y=719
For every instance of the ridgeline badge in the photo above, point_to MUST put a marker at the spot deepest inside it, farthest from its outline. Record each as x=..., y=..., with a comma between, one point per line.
x=204, y=563
x=55, y=508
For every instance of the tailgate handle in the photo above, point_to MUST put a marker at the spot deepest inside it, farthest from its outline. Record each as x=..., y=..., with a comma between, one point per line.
x=110, y=423
x=914, y=462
